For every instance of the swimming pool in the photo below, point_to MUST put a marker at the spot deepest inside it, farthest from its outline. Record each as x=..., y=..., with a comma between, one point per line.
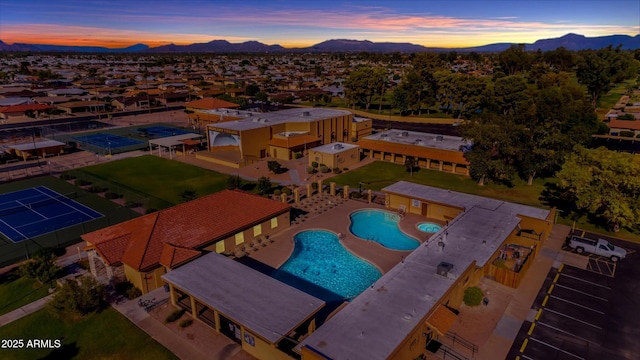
x=382, y=227
x=319, y=257
x=429, y=227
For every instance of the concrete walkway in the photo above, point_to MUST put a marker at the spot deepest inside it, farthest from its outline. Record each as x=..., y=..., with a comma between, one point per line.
x=158, y=331
x=25, y=310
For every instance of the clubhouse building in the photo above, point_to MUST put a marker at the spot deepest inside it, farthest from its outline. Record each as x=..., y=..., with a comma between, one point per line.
x=141, y=250
x=278, y=135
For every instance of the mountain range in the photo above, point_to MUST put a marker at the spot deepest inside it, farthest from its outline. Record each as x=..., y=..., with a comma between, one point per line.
x=570, y=42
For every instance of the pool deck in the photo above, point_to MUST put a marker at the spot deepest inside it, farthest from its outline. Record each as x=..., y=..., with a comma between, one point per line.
x=333, y=215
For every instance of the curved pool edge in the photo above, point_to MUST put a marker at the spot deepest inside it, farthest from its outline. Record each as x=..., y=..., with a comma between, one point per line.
x=420, y=242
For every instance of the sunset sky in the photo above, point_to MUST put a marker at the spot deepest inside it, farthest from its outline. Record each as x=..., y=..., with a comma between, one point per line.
x=302, y=23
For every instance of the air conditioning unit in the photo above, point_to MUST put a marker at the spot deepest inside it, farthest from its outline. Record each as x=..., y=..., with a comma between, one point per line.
x=444, y=268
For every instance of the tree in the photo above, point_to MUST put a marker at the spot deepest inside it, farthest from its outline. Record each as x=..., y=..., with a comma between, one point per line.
x=262, y=96
x=410, y=163
x=274, y=166
x=188, y=194
x=264, y=185
x=514, y=60
x=252, y=90
x=508, y=92
x=400, y=99
x=80, y=296
x=598, y=70
x=41, y=267
x=363, y=83
x=234, y=182
x=603, y=183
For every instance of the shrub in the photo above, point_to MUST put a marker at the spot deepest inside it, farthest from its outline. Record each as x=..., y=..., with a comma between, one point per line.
x=127, y=289
x=311, y=170
x=277, y=192
x=314, y=185
x=324, y=169
x=80, y=297
x=626, y=117
x=354, y=139
x=627, y=133
x=132, y=204
x=186, y=322
x=264, y=185
x=336, y=170
x=112, y=195
x=356, y=195
x=286, y=190
x=83, y=182
x=67, y=177
x=473, y=296
x=314, y=164
x=345, y=169
x=96, y=189
x=297, y=155
x=234, y=182
x=274, y=166
x=175, y=315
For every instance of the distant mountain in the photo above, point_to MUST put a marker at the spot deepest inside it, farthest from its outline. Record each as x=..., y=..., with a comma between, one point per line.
x=344, y=45
x=218, y=46
x=581, y=42
x=569, y=41
x=69, y=48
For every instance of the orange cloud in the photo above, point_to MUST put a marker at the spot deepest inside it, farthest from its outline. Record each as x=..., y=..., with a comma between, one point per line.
x=90, y=36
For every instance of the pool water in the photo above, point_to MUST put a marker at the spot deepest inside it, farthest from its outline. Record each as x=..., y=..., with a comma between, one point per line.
x=429, y=227
x=319, y=257
x=382, y=227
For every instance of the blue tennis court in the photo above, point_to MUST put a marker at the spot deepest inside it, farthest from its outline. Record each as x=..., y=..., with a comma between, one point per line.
x=39, y=210
x=165, y=131
x=108, y=141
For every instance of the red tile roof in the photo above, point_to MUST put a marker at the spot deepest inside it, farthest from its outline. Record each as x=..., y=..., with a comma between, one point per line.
x=189, y=226
x=414, y=150
x=625, y=124
x=210, y=103
x=25, y=107
x=172, y=256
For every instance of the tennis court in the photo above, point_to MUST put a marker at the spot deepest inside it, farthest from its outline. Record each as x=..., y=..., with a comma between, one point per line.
x=108, y=141
x=163, y=131
x=39, y=210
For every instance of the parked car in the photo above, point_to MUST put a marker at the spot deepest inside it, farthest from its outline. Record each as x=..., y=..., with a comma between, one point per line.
x=599, y=247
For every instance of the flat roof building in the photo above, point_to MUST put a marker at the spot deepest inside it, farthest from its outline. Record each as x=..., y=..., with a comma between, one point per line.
x=430, y=151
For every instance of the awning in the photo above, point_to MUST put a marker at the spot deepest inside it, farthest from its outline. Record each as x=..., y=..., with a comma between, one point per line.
x=442, y=319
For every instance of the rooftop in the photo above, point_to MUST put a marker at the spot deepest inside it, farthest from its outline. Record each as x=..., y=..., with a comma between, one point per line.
x=243, y=294
x=36, y=145
x=436, y=141
x=260, y=120
x=335, y=148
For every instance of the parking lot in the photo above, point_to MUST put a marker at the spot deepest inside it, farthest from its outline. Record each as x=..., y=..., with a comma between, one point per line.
x=586, y=313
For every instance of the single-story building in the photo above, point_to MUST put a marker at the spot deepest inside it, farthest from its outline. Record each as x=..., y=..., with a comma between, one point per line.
x=83, y=106
x=265, y=316
x=616, y=126
x=430, y=151
x=21, y=111
x=142, y=249
x=335, y=155
x=37, y=149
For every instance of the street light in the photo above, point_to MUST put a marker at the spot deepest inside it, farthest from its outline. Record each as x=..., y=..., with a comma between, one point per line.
x=109, y=147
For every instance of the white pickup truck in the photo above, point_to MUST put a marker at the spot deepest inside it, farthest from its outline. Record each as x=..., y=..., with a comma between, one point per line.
x=598, y=247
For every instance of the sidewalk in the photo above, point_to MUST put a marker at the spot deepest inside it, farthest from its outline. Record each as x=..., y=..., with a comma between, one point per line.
x=25, y=310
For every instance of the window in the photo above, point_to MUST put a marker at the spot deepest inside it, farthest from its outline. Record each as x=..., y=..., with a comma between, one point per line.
x=239, y=238
x=257, y=230
x=274, y=222
x=220, y=247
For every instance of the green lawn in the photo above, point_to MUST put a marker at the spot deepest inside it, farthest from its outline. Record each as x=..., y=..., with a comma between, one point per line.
x=608, y=100
x=16, y=291
x=162, y=179
x=380, y=174
x=104, y=335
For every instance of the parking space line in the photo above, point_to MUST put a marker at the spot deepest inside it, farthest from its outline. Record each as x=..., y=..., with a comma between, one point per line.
x=566, y=332
x=526, y=357
x=524, y=344
x=557, y=348
x=576, y=304
x=544, y=302
x=561, y=267
x=572, y=318
x=588, y=282
x=555, y=280
x=538, y=314
x=550, y=288
x=533, y=326
x=581, y=292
